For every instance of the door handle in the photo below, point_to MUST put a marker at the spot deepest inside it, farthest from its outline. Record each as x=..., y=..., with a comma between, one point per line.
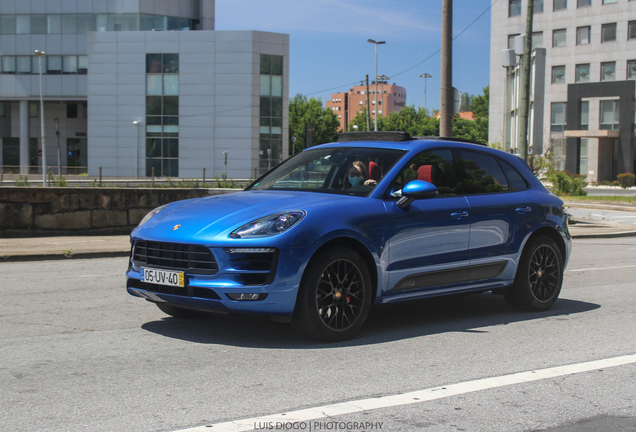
x=459, y=215
x=523, y=210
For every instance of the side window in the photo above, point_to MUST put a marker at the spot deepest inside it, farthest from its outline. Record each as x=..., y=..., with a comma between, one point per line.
x=433, y=166
x=480, y=174
x=516, y=182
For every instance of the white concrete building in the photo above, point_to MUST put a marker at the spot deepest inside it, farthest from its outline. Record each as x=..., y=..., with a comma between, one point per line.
x=582, y=84
x=140, y=84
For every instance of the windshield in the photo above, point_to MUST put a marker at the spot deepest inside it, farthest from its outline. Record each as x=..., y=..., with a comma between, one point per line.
x=349, y=171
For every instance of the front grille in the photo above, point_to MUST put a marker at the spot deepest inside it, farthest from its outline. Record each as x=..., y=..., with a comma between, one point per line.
x=187, y=291
x=191, y=258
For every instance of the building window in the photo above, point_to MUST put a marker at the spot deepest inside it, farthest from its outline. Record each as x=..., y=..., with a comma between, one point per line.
x=608, y=1
x=631, y=69
x=537, y=40
x=558, y=74
x=537, y=7
x=560, y=4
x=608, y=32
x=582, y=73
x=82, y=65
x=514, y=8
x=69, y=65
x=33, y=109
x=558, y=38
x=271, y=112
x=583, y=156
x=511, y=40
x=23, y=64
x=584, y=3
x=558, y=117
x=585, y=115
x=83, y=23
x=162, y=115
x=631, y=30
x=8, y=64
x=71, y=110
x=608, y=71
x=38, y=24
x=582, y=35
x=2, y=108
x=53, y=65
x=76, y=158
x=7, y=24
x=608, y=115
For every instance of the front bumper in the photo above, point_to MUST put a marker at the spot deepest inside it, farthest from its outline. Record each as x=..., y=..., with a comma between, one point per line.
x=279, y=287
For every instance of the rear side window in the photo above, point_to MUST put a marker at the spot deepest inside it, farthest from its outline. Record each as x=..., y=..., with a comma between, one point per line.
x=480, y=174
x=515, y=181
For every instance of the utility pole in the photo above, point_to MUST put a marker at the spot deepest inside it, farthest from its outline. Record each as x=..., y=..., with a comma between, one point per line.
x=368, y=106
x=524, y=108
x=446, y=76
x=59, y=151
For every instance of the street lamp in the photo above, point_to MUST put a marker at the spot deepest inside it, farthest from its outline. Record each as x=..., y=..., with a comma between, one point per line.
x=425, y=76
x=41, y=54
x=383, y=78
x=376, y=80
x=136, y=123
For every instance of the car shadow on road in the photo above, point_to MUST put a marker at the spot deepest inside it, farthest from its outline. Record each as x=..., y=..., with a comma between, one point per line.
x=386, y=323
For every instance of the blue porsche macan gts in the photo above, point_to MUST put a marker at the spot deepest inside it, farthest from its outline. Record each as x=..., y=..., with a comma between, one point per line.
x=374, y=218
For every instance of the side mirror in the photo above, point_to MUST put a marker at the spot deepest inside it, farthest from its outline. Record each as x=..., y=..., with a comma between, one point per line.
x=417, y=189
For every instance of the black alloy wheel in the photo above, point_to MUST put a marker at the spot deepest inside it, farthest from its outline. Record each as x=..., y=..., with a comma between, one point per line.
x=340, y=295
x=334, y=296
x=539, y=276
x=544, y=276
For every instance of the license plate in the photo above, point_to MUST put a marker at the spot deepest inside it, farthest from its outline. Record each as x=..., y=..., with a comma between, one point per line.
x=162, y=277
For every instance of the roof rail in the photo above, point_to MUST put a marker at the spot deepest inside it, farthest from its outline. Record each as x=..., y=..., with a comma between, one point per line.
x=463, y=140
x=395, y=136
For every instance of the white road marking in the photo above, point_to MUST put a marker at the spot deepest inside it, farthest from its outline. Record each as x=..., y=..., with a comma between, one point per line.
x=601, y=268
x=416, y=396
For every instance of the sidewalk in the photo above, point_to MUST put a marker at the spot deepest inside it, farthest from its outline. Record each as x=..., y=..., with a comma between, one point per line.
x=51, y=248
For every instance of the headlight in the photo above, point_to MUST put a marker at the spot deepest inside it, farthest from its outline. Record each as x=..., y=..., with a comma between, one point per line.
x=151, y=214
x=269, y=225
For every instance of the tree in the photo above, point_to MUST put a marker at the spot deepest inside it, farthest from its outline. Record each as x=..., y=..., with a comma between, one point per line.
x=303, y=112
x=466, y=102
x=417, y=122
x=480, y=103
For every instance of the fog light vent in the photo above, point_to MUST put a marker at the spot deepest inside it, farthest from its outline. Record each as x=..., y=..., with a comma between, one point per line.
x=247, y=297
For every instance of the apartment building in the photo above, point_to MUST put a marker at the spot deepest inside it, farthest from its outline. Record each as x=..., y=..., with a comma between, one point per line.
x=582, y=89
x=391, y=97
x=139, y=87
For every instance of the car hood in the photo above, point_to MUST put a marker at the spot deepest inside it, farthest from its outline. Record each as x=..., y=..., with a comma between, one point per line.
x=217, y=216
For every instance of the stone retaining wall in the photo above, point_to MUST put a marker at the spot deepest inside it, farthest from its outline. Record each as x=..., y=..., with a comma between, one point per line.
x=29, y=212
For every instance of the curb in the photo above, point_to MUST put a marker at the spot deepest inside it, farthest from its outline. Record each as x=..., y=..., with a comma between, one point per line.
x=605, y=235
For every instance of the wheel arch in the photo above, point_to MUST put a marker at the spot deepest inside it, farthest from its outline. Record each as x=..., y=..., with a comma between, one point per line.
x=360, y=249
x=552, y=233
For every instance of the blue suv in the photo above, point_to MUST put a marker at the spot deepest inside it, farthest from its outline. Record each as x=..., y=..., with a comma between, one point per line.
x=373, y=218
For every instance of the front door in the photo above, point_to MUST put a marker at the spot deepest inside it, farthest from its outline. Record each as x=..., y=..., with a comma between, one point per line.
x=428, y=240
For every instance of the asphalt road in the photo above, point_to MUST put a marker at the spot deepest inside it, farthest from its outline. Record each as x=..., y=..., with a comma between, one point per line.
x=79, y=354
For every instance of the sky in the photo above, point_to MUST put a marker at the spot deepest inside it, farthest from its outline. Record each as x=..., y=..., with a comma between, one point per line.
x=329, y=52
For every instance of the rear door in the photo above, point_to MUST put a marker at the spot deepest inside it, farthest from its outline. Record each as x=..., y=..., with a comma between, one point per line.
x=500, y=212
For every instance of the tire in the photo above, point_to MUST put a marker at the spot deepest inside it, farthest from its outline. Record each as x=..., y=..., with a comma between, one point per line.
x=179, y=312
x=539, y=276
x=334, y=296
